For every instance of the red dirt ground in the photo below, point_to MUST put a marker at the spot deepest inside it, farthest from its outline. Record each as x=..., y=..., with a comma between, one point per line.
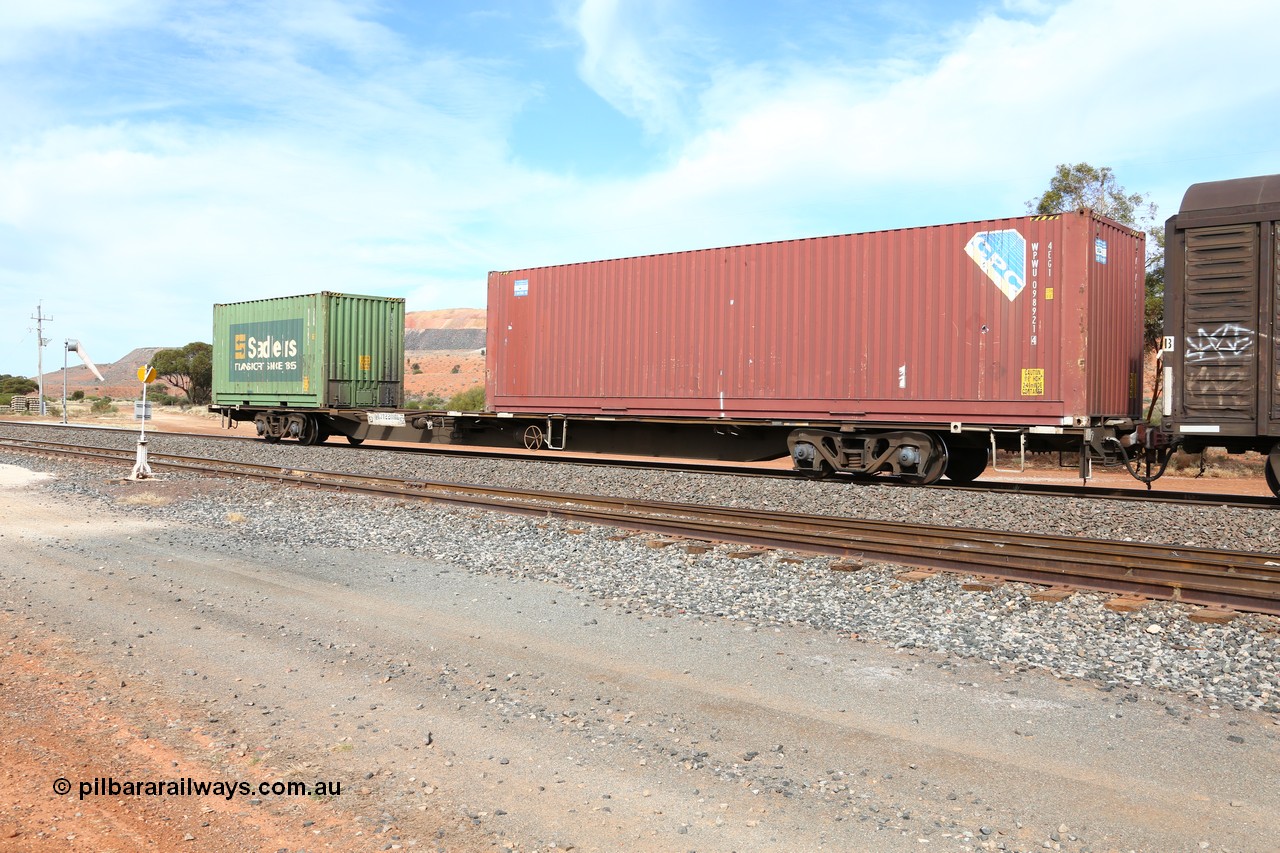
x=57, y=724
x=436, y=373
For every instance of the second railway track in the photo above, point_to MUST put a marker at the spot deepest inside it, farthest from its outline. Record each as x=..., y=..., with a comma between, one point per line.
x=1241, y=580
x=1135, y=493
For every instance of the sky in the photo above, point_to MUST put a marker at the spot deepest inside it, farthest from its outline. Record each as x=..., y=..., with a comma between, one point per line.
x=160, y=156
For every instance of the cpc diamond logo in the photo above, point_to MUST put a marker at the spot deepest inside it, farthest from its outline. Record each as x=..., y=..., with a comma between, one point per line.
x=1003, y=257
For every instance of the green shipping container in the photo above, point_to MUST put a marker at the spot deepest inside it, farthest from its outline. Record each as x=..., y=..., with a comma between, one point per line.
x=318, y=351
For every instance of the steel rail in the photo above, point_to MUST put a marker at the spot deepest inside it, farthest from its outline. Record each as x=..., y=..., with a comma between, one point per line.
x=1240, y=580
x=745, y=469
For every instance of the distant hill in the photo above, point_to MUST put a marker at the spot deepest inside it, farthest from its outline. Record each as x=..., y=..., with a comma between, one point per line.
x=433, y=340
x=446, y=318
x=120, y=378
x=444, y=330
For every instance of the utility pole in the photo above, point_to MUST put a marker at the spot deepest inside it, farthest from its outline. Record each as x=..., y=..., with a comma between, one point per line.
x=41, y=340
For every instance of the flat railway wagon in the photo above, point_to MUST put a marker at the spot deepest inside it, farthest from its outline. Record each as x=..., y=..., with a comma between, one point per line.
x=912, y=353
x=307, y=367
x=1222, y=303
x=908, y=353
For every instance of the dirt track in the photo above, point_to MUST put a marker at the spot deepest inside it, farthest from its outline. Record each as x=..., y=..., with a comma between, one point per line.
x=469, y=712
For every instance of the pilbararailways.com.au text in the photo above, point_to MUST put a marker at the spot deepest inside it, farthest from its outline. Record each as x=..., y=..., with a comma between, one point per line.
x=188, y=787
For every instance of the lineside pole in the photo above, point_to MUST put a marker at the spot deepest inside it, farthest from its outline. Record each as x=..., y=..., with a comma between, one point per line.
x=66, y=348
x=141, y=470
x=41, y=340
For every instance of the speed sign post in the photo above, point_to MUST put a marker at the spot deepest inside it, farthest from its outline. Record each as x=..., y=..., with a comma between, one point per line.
x=141, y=470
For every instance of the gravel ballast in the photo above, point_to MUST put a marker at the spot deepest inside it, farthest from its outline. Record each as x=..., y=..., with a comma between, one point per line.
x=1156, y=647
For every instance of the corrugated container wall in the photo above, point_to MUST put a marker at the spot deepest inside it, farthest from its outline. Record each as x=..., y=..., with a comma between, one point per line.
x=320, y=350
x=1026, y=320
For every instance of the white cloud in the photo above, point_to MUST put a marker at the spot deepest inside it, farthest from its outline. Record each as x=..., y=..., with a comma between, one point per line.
x=262, y=174
x=74, y=15
x=263, y=171
x=28, y=27
x=1006, y=101
x=1028, y=7
x=632, y=58
x=801, y=148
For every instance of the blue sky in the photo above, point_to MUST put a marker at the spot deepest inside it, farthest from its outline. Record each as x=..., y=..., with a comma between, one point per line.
x=159, y=156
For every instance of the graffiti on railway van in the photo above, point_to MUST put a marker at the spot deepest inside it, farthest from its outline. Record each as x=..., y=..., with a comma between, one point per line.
x=1002, y=255
x=1227, y=341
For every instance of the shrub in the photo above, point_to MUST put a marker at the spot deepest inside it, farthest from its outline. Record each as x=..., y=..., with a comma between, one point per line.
x=457, y=368
x=103, y=407
x=471, y=400
x=16, y=384
x=429, y=402
x=77, y=395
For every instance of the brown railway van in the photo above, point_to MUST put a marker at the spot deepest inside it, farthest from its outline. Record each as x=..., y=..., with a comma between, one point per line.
x=1222, y=299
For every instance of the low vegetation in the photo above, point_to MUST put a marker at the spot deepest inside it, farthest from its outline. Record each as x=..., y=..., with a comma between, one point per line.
x=146, y=499
x=471, y=400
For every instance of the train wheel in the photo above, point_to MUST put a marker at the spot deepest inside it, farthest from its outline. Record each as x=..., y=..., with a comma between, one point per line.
x=965, y=464
x=926, y=453
x=809, y=461
x=532, y=438
x=1273, y=470
x=936, y=465
x=312, y=432
x=821, y=471
x=354, y=442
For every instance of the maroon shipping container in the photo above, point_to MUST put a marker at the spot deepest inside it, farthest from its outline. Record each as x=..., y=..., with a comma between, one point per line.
x=1026, y=321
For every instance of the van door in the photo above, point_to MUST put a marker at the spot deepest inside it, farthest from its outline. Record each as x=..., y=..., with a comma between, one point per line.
x=1219, y=318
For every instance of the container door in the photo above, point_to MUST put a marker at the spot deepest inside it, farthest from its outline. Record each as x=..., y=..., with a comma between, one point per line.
x=1272, y=362
x=1220, y=313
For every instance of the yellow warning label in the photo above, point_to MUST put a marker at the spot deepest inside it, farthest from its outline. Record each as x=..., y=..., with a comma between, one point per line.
x=366, y=362
x=306, y=383
x=1033, y=381
x=1048, y=293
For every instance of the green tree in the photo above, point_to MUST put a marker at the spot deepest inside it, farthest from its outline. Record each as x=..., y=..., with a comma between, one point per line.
x=16, y=384
x=1083, y=185
x=190, y=369
x=1153, y=323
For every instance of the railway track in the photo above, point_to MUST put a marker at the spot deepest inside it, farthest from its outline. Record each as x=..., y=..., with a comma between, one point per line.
x=1232, y=579
x=1135, y=493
